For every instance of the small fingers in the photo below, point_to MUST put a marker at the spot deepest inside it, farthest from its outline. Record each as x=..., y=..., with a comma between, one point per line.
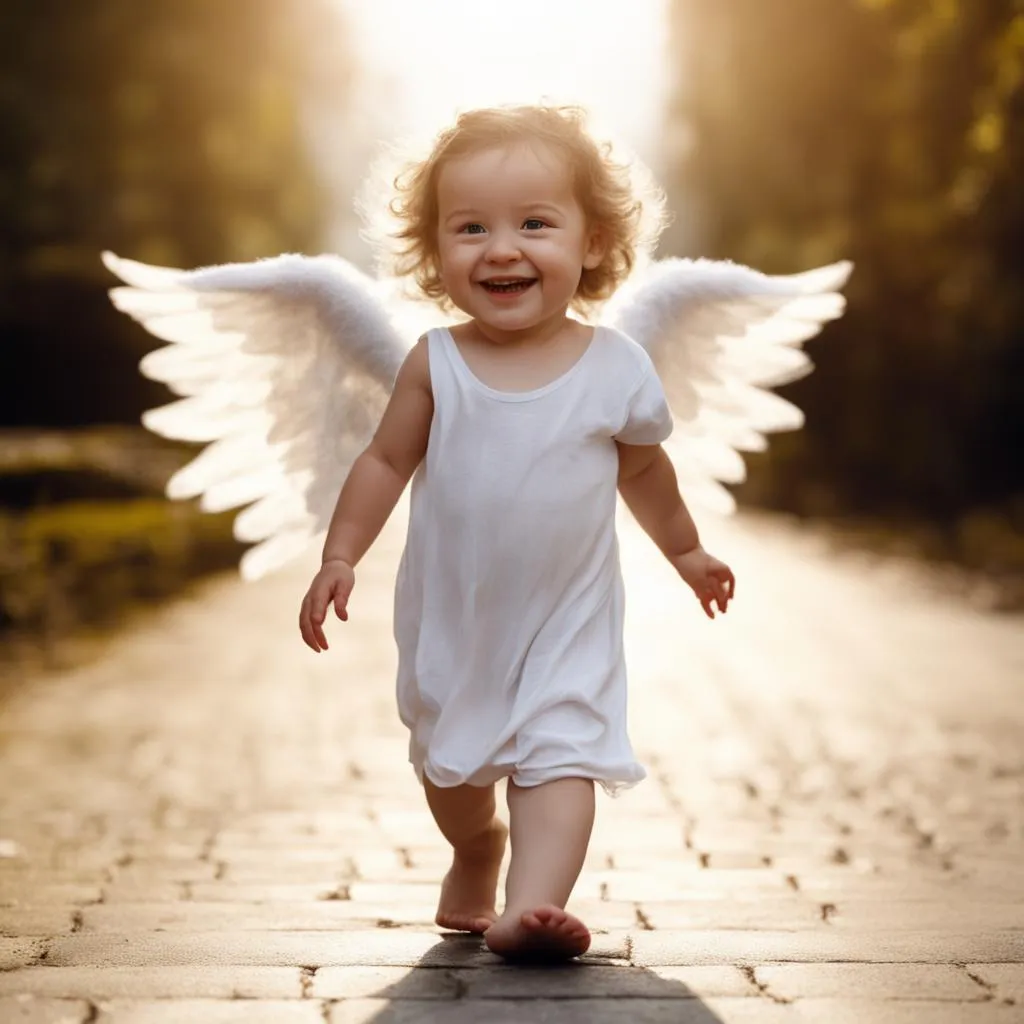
x=311, y=617
x=318, y=631
x=306, y=629
x=720, y=593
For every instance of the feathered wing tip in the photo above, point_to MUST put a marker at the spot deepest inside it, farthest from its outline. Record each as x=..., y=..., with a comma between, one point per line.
x=829, y=278
x=721, y=334
x=283, y=367
x=142, y=275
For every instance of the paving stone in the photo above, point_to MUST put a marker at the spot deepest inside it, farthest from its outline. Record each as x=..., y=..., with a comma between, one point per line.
x=713, y=981
x=926, y=916
x=357, y=948
x=15, y=953
x=41, y=893
x=769, y=914
x=394, y=947
x=30, y=1010
x=585, y=981
x=880, y=1011
x=208, y=1011
x=567, y=1011
x=392, y=983
x=325, y=876
x=139, y=892
x=160, y=872
x=231, y=892
x=43, y=872
x=822, y=946
x=1006, y=980
x=324, y=915
x=379, y=892
x=871, y=981
x=27, y=921
x=155, y=982
x=686, y=884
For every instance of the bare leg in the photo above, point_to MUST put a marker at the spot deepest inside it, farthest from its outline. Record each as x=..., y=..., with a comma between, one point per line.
x=467, y=819
x=551, y=826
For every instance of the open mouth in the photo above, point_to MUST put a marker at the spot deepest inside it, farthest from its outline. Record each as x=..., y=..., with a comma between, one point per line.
x=510, y=286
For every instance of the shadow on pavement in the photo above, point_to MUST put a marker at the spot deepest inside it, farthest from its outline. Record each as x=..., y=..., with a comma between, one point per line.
x=458, y=981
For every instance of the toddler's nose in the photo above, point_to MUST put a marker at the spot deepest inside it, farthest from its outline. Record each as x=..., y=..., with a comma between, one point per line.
x=504, y=250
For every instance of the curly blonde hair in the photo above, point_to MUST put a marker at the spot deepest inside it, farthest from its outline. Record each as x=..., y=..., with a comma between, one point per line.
x=614, y=195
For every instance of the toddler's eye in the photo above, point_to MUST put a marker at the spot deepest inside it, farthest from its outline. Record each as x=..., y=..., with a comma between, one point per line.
x=533, y=224
x=473, y=229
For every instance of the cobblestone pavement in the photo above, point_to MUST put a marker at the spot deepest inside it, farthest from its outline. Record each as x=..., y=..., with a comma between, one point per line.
x=211, y=824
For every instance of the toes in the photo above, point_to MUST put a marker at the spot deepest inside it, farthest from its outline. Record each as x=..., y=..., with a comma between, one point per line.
x=545, y=917
x=475, y=925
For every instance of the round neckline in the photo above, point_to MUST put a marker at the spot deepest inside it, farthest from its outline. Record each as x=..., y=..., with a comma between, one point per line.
x=517, y=396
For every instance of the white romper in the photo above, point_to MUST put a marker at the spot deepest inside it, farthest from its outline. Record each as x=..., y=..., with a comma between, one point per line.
x=509, y=600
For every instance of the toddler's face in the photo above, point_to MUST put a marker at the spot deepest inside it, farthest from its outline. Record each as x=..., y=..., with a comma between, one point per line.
x=512, y=238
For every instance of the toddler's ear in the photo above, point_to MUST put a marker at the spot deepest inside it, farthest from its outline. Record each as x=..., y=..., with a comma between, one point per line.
x=597, y=248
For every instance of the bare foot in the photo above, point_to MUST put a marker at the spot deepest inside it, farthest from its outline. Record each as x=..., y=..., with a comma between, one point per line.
x=469, y=889
x=547, y=933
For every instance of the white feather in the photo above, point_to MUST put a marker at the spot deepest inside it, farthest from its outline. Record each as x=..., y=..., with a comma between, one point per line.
x=283, y=367
x=720, y=334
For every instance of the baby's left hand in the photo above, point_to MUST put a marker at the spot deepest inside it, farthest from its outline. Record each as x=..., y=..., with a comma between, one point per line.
x=711, y=580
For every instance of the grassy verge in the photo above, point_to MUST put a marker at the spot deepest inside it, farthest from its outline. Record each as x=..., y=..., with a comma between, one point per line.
x=70, y=572
x=85, y=534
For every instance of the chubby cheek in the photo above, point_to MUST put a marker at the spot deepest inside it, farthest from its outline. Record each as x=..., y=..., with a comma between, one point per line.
x=453, y=265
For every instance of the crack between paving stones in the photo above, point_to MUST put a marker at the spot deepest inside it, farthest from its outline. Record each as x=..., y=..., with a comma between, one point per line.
x=642, y=920
x=986, y=987
x=461, y=985
x=751, y=975
x=306, y=976
x=340, y=892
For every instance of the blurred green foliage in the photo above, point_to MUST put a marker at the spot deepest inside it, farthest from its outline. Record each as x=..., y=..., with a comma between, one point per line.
x=82, y=563
x=85, y=532
x=170, y=131
x=890, y=132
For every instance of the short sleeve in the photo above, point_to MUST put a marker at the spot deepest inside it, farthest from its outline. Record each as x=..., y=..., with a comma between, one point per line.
x=648, y=418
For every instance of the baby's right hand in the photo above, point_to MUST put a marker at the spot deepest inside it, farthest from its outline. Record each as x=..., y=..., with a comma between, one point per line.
x=333, y=583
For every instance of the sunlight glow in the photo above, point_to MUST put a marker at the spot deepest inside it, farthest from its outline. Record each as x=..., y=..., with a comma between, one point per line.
x=425, y=59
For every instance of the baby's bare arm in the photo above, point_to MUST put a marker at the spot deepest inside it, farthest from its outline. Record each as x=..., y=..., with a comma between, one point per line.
x=380, y=474
x=374, y=485
x=647, y=483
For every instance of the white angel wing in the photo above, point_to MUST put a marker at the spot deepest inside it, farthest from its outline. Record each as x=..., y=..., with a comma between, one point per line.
x=284, y=367
x=720, y=334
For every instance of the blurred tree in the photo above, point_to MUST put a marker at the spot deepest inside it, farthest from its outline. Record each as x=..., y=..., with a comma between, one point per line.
x=891, y=132
x=171, y=131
